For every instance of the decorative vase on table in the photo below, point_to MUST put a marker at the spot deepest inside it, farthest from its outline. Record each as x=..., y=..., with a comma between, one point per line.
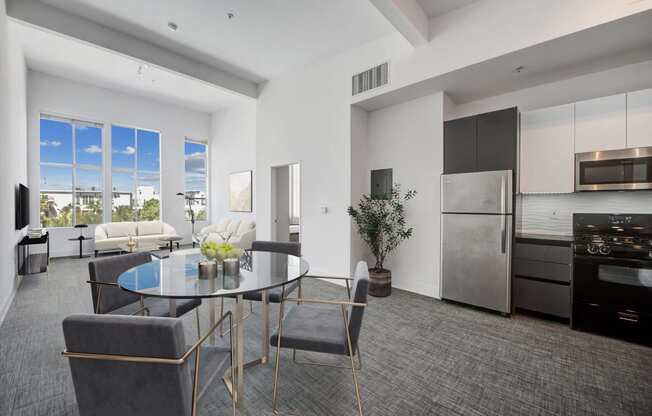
x=381, y=225
x=221, y=252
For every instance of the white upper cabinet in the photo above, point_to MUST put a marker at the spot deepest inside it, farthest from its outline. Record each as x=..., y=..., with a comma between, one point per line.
x=601, y=124
x=547, y=150
x=639, y=118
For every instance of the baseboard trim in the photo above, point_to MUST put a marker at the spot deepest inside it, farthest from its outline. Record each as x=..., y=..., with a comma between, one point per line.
x=7, y=305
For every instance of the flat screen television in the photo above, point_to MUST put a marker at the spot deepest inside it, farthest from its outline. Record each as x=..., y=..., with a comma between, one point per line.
x=22, y=206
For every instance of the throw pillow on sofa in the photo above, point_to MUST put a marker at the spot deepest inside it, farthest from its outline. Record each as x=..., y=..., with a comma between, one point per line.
x=150, y=228
x=232, y=229
x=120, y=229
x=221, y=226
x=244, y=227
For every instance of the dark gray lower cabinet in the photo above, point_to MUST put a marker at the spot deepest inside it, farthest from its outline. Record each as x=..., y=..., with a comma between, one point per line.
x=544, y=297
x=542, y=278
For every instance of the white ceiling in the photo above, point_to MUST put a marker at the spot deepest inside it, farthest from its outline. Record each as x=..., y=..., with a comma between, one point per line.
x=435, y=8
x=264, y=39
x=621, y=42
x=84, y=62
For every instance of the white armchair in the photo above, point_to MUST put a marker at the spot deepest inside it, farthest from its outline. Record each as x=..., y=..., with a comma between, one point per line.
x=239, y=233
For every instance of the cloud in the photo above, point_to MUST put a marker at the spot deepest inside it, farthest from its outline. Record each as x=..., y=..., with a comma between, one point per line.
x=50, y=143
x=195, y=165
x=196, y=155
x=93, y=149
x=129, y=150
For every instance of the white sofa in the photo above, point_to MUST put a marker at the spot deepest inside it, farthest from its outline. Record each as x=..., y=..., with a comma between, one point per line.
x=109, y=236
x=237, y=232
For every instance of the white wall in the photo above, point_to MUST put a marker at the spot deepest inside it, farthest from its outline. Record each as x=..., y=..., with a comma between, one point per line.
x=360, y=177
x=13, y=168
x=232, y=149
x=599, y=84
x=408, y=138
x=58, y=96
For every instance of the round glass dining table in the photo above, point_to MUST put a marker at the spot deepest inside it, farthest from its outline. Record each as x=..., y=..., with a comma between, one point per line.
x=176, y=277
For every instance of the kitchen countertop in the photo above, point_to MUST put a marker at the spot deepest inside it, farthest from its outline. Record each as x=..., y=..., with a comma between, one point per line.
x=540, y=238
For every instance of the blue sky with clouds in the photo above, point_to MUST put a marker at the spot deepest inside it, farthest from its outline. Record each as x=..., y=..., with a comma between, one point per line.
x=195, y=157
x=56, y=147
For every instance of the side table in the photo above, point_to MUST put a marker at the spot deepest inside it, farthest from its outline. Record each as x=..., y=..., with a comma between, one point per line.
x=81, y=240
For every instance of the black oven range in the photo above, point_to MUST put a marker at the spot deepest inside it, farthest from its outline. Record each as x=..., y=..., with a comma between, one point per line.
x=612, y=275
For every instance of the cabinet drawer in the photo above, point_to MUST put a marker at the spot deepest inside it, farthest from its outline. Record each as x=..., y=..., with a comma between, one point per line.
x=541, y=252
x=543, y=270
x=549, y=298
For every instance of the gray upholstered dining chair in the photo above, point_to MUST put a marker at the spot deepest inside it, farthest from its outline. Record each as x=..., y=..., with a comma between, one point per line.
x=318, y=326
x=109, y=298
x=274, y=295
x=139, y=366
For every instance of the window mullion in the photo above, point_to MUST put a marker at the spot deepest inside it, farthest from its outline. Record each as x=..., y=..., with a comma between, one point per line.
x=74, y=173
x=134, y=212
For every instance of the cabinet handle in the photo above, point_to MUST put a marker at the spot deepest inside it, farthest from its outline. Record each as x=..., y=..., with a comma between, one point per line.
x=622, y=318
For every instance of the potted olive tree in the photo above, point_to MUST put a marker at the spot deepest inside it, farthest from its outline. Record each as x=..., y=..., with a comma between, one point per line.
x=381, y=224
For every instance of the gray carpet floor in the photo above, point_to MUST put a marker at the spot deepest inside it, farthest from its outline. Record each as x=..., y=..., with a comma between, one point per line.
x=420, y=356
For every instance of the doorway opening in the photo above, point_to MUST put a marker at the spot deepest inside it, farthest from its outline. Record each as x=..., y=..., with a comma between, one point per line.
x=286, y=203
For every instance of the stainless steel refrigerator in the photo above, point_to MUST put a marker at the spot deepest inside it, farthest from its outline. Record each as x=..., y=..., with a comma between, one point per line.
x=476, y=238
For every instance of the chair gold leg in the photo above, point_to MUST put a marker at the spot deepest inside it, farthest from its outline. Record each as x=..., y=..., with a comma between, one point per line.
x=278, y=351
x=197, y=319
x=232, y=363
x=195, y=385
x=355, y=378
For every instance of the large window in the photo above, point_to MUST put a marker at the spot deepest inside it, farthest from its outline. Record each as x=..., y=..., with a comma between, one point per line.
x=71, y=172
x=135, y=174
x=195, y=154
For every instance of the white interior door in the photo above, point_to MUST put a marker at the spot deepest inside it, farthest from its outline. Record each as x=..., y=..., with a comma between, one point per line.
x=281, y=203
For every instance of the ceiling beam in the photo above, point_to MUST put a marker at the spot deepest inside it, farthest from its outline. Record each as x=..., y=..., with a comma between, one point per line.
x=42, y=15
x=408, y=17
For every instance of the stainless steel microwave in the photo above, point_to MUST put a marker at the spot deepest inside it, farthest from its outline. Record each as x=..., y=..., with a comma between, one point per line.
x=614, y=170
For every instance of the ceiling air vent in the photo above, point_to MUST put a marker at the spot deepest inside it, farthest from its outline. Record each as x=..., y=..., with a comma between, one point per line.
x=370, y=79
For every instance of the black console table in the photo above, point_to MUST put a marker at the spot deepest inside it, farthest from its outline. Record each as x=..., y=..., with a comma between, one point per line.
x=36, y=262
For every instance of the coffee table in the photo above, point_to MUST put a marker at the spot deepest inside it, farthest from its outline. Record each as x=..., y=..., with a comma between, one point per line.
x=171, y=239
x=139, y=248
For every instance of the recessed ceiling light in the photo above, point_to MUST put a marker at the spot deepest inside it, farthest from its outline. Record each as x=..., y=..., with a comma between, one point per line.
x=141, y=69
x=230, y=15
x=173, y=26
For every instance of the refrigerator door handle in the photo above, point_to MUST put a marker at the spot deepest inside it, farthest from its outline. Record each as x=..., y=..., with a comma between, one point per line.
x=503, y=234
x=503, y=194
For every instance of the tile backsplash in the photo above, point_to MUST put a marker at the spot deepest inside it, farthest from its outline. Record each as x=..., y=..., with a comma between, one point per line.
x=553, y=213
